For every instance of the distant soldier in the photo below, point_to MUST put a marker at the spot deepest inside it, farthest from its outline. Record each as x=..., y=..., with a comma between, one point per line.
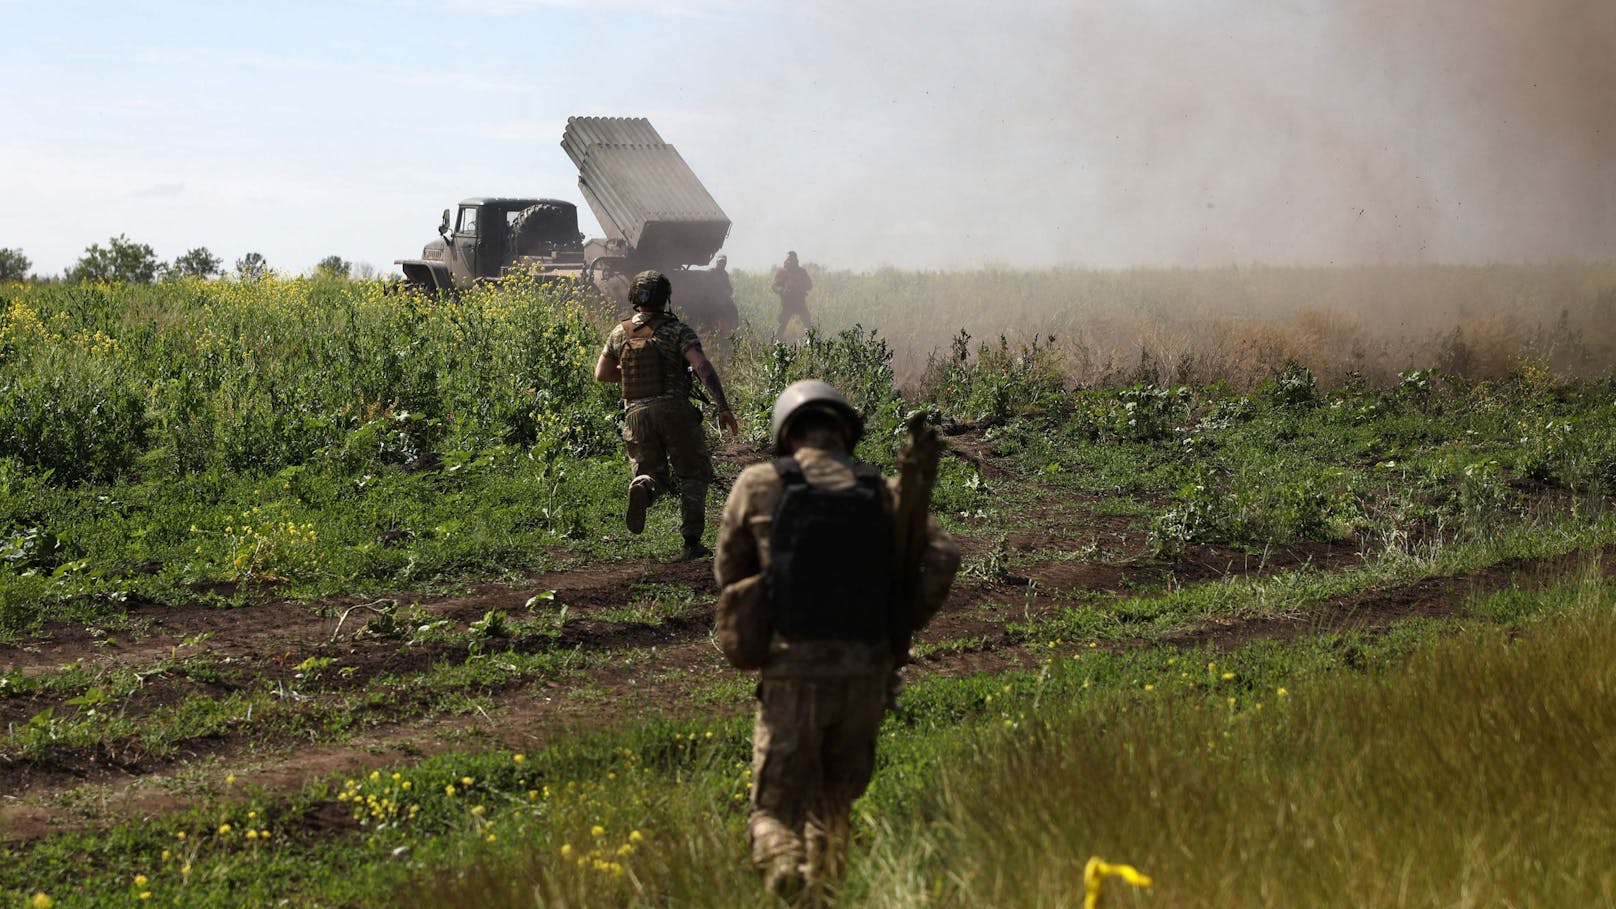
x=792, y=284
x=648, y=354
x=725, y=317
x=806, y=564
x=721, y=277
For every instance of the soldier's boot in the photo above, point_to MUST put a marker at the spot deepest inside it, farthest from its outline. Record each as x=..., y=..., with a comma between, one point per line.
x=783, y=878
x=694, y=550
x=693, y=520
x=640, y=494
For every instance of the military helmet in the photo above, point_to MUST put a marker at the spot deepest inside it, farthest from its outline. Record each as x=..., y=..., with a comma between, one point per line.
x=812, y=394
x=650, y=290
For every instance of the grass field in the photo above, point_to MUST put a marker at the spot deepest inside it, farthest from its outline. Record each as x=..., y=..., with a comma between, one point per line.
x=312, y=592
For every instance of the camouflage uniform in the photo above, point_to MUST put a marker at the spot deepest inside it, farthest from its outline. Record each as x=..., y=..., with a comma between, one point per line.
x=792, y=283
x=821, y=702
x=667, y=428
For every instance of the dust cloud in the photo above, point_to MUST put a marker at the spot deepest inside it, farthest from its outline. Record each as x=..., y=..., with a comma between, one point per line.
x=1191, y=133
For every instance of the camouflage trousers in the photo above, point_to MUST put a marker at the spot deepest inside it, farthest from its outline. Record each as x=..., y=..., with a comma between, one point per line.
x=813, y=753
x=668, y=432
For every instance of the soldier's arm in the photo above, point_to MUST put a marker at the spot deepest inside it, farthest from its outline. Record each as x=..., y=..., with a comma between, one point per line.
x=606, y=368
x=709, y=377
x=937, y=569
x=938, y=564
x=737, y=556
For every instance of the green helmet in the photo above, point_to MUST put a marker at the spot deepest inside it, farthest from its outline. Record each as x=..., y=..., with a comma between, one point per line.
x=650, y=290
x=812, y=394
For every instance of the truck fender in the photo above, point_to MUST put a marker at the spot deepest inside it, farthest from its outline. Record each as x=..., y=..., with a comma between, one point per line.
x=429, y=277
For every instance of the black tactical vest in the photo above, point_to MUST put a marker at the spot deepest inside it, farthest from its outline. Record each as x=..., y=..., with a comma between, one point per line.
x=830, y=571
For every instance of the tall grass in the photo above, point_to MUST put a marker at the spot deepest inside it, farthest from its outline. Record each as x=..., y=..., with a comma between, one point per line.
x=1477, y=774
x=1455, y=765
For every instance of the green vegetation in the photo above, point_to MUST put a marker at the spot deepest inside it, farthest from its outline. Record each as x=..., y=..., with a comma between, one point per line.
x=1331, y=772
x=1269, y=626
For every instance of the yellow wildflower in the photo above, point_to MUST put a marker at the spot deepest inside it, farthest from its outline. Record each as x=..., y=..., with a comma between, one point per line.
x=597, y=830
x=478, y=810
x=1283, y=693
x=1095, y=873
x=145, y=894
x=466, y=781
x=566, y=850
x=634, y=836
x=449, y=790
x=230, y=780
x=141, y=880
x=41, y=900
x=224, y=829
x=518, y=758
x=492, y=837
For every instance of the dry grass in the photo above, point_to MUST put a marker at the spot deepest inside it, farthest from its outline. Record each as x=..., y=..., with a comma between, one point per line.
x=1238, y=324
x=1475, y=775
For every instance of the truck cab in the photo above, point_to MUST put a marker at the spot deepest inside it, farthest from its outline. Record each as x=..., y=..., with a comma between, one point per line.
x=485, y=238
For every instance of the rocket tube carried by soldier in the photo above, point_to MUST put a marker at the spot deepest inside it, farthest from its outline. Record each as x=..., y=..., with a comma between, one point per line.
x=917, y=476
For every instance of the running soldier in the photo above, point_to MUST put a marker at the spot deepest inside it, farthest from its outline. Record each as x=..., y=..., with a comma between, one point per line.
x=649, y=354
x=791, y=283
x=805, y=563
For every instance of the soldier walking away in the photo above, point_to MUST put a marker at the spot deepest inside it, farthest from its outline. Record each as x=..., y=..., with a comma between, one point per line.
x=810, y=564
x=791, y=283
x=648, y=354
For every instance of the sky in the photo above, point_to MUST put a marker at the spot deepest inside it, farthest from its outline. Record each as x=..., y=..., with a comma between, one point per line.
x=948, y=134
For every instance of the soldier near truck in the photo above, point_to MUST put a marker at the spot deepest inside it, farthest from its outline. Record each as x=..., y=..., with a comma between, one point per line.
x=648, y=354
x=813, y=550
x=791, y=284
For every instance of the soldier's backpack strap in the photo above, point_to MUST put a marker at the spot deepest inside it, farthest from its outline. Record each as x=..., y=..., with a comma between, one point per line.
x=790, y=471
x=868, y=473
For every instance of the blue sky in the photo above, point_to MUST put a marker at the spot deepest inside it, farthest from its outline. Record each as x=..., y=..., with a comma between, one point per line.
x=923, y=135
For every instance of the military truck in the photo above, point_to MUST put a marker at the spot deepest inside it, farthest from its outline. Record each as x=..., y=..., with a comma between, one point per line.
x=654, y=211
x=488, y=238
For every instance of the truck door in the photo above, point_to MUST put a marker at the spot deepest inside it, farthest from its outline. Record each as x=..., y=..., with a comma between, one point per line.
x=463, y=251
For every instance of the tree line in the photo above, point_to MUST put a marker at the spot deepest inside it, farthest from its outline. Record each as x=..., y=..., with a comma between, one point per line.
x=124, y=260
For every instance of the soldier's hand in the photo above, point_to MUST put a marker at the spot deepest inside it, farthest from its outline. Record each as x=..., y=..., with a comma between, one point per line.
x=727, y=421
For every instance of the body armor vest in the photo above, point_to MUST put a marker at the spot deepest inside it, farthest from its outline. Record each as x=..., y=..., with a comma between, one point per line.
x=830, y=569
x=642, y=363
